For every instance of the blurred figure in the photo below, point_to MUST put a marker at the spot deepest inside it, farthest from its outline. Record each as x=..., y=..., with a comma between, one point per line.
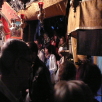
x=72, y=91
x=40, y=89
x=50, y=61
x=91, y=75
x=59, y=62
x=67, y=71
x=40, y=51
x=62, y=58
x=55, y=40
x=46, y=40
x=62, y=43
x=15, y=64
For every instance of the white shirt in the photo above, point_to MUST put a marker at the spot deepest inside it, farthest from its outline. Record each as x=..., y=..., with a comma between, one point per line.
x=41, y=55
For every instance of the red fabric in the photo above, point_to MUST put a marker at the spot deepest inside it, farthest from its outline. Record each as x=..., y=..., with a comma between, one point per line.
x=9, y=12
x=7, y=36
x=6, y=28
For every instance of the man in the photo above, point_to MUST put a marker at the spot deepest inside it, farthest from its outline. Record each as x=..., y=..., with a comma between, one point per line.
x=40, y=51
x=40, y=82
x=15, y=63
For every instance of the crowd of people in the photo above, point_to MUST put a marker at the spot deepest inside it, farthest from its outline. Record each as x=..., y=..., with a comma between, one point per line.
x=39, y=72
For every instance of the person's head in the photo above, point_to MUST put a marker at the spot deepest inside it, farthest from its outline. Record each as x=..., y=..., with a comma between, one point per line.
x=36, y=41
x=16, y=60
x=33, y=47
x=53, y=43
x=45, y=36
x=55, y=36
x=49, y=49
x=67, y=71
x=91, y=75
x=72, y=91
x=38, y=44
x=62, y=40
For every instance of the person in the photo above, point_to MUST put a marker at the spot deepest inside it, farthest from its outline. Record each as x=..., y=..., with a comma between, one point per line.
x=46, y=40
x=40, y=51
x=72, y=91
x=40, y=86
x=62, y=58
x=59, y=62
x=91, y=75
x=62, y=43
x=67, y=71
x=15, y=65
x=55, y=40
x=50, y=61
x=13, y=27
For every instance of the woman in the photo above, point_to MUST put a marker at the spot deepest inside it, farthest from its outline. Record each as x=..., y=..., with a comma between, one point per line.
x=62, y=43
x=90, y=74
x=72, y=91
x=46, y=40
x=50, y=61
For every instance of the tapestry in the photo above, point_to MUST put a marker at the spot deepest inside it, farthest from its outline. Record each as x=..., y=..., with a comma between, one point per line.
x=89, y=42
x=88, y=15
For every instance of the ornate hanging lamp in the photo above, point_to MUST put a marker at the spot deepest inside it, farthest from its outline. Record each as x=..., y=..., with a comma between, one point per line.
x=41, y=13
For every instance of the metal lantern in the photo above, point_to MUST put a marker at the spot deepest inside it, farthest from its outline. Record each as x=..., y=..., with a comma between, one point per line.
x=41, y=13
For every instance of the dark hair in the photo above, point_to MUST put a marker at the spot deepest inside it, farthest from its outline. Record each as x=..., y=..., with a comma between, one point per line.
x=33, y=47
x=55, y=34
x=91, y=75
x=72, y=91
x=51, y=49
x=11, y=51
x=40, y=87
x=63, y=38
x=67, y=71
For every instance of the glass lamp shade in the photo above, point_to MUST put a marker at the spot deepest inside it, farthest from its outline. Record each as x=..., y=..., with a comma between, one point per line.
x=40, y=4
